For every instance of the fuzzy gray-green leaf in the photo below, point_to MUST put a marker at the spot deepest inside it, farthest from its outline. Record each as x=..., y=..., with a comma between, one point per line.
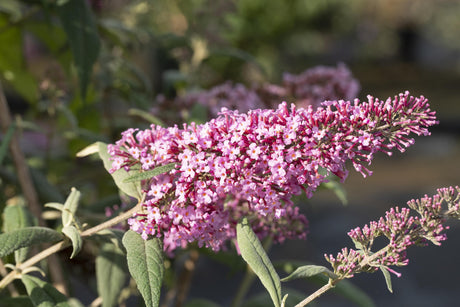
x=111, y=273
x=17, y=217
x=387, y=276
x=130, y=188
x=70, y=207
x=72, y=233
x=145, y=263
x=43, y=294
x=254, y=254
x=152, y=173
x=81, y=29
x=16, y=239
x=309, y=271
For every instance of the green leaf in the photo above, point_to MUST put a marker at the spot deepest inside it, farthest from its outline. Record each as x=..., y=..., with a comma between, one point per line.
x=6, y=141
x=70, y=207
x=254, y=254
x=111, y=273
x=53, y=37
x=16, y=217
x=19, y=301
x=88, y=150
x=73, y=302
x=309, y=271
x=56, y=206
x=16, y=239
x=12, y=8
x=42, y=293
x=131, y=188
x=152, y=173
x=81, y=29
x=200, y=302
x=387, y=276
x=338, y=190
x=145, y=263
x=74, y=235
x=12, y=61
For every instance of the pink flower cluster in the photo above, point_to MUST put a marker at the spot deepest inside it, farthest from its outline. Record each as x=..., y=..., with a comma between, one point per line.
x=321, y=83
x=402, y=229
x=311, y=87
x=228, y=95
x=252, y=164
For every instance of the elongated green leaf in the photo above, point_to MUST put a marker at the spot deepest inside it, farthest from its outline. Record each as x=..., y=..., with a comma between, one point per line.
x=88, y=150
x=73, y=302
x=111, y=273
x=12, y=60
x=254, y=254
x=17, y=217
x=6, y=141
x=72, y=233
x=12, y=8
x=19, y=301
x=70, y=207
x=309, y=271
x=16, y=239
x=387, y=276
x=81, y=29
x=53, y=205
x=42, y=293
x=131, y=188
x=145, y=263
x=152, y=173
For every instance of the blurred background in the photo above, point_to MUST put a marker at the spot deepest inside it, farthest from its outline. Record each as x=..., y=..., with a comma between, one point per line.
x=67, y=89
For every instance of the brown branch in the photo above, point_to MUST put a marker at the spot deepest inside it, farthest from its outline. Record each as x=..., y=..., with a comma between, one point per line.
x=27, y=186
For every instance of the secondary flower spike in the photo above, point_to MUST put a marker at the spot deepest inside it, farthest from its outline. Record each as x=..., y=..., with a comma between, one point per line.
x=403, y=229
x=252, y=164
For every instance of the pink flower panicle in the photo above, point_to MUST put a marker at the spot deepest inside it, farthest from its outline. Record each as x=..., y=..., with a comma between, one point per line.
x=228, y=95
x=310, y=87
x=252, y=164
x=402, y=229
x=321, y=83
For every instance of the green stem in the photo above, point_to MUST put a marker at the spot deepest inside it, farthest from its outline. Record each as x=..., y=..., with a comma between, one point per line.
x=332, y=282
x=65, y=243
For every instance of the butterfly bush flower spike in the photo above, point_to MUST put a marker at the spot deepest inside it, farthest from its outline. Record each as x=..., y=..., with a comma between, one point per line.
x=422, y=222
x=251, y=164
